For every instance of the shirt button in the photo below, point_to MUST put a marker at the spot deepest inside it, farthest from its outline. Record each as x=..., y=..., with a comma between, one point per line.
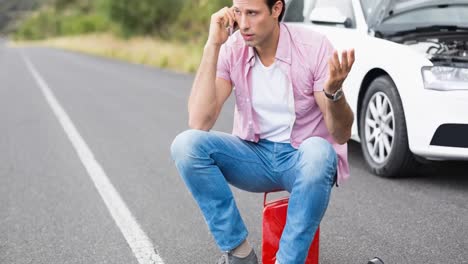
x=305, y=91
x=248, y=100
x=250, y=122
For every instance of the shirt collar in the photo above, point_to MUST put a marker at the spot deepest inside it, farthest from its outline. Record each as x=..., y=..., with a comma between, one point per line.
x=283, y=51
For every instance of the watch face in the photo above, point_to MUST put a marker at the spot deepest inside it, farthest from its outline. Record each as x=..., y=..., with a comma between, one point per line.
x=338, y=95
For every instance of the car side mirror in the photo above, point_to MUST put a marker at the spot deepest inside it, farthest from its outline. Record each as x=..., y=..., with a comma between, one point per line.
x=329, y=16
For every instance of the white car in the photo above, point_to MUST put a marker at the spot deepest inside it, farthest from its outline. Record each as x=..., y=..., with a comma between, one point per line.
x=409, y=85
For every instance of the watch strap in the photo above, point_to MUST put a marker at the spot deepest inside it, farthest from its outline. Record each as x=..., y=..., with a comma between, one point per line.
x=335, y=96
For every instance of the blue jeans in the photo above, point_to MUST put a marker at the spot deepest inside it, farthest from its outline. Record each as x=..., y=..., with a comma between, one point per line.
x=209, y=161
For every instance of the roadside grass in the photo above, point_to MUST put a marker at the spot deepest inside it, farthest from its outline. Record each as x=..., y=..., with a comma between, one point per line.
x=181, y=57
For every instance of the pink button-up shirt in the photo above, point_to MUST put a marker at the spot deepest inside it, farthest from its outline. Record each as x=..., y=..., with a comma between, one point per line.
x=302, y=55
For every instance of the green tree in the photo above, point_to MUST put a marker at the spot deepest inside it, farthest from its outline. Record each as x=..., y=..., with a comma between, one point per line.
x=62, y=4
x=194, y=19
x=144, y=16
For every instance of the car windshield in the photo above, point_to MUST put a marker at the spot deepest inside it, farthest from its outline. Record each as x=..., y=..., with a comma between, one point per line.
x=369, y=7
x=446, y=15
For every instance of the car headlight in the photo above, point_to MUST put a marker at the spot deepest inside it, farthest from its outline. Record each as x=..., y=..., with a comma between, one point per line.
x=444, y=78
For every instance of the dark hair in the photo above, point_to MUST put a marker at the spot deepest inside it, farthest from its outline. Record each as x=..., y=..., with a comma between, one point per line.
x=271, y=3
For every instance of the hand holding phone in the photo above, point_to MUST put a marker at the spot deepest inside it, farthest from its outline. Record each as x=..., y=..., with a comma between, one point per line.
x=223, y=24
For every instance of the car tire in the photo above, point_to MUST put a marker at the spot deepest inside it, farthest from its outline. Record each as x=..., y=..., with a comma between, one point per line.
x=382, y=127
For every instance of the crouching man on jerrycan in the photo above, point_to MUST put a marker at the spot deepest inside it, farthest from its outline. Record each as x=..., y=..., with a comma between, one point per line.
x=291, y=125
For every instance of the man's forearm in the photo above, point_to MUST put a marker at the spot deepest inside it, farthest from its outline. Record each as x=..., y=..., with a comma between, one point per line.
x=340, y=119
x=202, y=101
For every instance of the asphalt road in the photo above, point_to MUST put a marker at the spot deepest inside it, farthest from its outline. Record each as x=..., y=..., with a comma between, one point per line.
x=51, y=211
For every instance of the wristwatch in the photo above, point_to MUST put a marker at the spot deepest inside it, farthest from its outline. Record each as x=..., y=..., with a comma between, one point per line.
x=335, y=96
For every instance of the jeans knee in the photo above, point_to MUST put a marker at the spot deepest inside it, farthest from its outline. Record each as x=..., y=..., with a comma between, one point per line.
x=318, y=149
x=318, y=160
x=185, y=143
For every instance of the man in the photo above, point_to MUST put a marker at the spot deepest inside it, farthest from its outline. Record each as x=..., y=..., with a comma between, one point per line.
x=291, y=125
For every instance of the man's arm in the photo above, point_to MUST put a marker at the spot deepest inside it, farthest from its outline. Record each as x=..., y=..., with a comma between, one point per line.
x=338, y=115
x=208, y=92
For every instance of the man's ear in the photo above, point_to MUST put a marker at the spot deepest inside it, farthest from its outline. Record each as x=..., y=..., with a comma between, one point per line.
x=277, y=8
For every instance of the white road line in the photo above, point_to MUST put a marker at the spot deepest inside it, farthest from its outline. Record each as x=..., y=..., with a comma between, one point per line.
x=138, y=241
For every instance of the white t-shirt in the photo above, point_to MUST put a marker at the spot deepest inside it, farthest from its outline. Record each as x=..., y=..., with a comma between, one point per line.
x=273, y=102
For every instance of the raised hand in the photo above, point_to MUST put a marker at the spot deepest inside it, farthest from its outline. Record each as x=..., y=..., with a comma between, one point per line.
x=338, y=71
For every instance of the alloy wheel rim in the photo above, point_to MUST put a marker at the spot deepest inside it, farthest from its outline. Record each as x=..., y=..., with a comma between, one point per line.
x=379, y=127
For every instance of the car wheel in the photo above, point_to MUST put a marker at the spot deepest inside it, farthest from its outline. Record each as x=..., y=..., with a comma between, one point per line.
x=382, y=126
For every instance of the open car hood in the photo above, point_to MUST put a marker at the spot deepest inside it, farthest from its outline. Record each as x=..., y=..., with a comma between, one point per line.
x=383, y=9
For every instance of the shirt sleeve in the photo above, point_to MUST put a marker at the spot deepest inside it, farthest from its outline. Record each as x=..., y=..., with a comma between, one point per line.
x=223, y=68
x=321, y=72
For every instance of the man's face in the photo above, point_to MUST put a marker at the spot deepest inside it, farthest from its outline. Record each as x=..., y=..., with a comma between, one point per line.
x=255, y=20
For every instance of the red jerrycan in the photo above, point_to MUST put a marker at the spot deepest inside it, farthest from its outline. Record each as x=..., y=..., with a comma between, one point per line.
x=274, y=219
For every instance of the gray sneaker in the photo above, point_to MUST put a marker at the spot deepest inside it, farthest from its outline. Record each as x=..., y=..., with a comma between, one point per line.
x=228, y=258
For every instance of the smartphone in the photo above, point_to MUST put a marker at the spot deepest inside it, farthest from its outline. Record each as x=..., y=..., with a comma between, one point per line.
x=233, y=29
